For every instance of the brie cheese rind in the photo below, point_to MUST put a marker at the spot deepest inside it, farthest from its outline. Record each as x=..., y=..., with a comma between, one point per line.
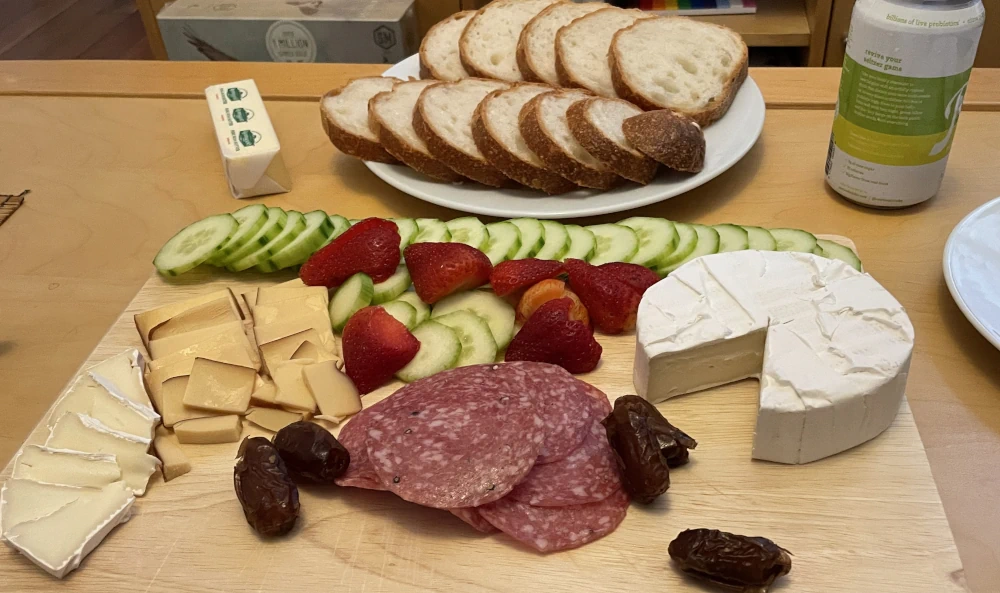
x=830, y=346
x=66, y=467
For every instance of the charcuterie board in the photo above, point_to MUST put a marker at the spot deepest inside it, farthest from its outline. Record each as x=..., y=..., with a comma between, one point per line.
x=869, y=519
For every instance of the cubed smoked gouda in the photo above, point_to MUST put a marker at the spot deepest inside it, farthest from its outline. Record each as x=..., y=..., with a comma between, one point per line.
x=292, y=390
x=283, y=349
x=317, y=320
x=62, y=466
x=175, y=462
x=218, y=348
x=283, y=292
x=334, y=392
x=208, y=431
x=272, y=419
x=264, y=392
x=147, y=320
x=233, y=330
x=174, y=410
x=219, y=387
x=210, y=314
x=290, y=308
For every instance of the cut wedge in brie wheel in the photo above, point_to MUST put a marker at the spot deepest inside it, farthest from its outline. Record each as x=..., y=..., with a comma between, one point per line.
x=830, y=346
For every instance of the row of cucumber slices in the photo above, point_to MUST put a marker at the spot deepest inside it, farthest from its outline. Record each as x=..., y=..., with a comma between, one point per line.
x=271, y=239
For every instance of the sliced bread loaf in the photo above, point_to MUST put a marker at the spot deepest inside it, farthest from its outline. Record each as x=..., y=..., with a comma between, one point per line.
x=692, y=67
x=344, y=114
x=495, y=130
x=582, y=48
x=543, y=124
x=391, y=115
x=536, y=48
x=596, y=124
x=443, y=119
x=672, y=139
x=489, y=43
x=439, y=57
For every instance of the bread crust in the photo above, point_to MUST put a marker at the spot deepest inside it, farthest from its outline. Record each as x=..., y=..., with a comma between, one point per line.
x=427, y=67
x=715, y=108
x=639, y=168
x=524, y=61
x=402, y=150
x=458, y=161
x=509, y=163
x=673, y=139
x=555, y=159
x=348, y=142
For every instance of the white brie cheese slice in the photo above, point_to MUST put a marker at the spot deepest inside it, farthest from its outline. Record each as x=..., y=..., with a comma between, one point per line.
x=124, y=371
x=27, y=500
x=95, y=396
x=830, y=345
x=61, y=466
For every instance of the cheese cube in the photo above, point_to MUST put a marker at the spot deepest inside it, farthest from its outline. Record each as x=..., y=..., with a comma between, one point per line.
x=264, y=391
x=175, y=462
x=334, y=392
x=213, y=313
x=292, y=390
x=219, y=387
x=272, y=419
x=174, y=410
x=207, y=431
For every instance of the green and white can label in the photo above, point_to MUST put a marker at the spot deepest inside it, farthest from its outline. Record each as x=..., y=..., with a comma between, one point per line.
x=905, y=74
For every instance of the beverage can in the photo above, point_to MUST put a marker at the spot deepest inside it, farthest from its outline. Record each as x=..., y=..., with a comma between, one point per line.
x=905, y=74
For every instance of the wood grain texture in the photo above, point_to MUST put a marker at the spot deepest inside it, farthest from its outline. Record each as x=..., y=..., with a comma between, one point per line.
x=138, y=169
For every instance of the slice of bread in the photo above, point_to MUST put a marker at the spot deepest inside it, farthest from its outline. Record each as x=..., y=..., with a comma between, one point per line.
x=443, y=119
x=391, y=115
x=582, y=48
x=495, y=130
x=439, y=57
x=692, y=67
x=489, y=43
x=597, y=125
x=536, y=48
x=672, y=139
x=546, y=131
x=344, y=113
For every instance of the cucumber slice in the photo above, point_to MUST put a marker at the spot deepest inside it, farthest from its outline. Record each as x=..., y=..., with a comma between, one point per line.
x=708, y=243
x=468, y=230
x=581, y=243
x=276, y=218
x=760, y=239
x=657, y=240
x=318, y=228
x=407, y=230
x=504, y=241
x=794, y=240
x=294, y=226
x=478, y=345
x=354, y=221
x=687, y=240
x=352, y=296
x=431, y=230
x=340, y=224
x=250, y=218
x=532, y=237
x=439, y=351
x=402, y=312
x=614, y=243
x=556, y=243
x=392, y=287
x=422, y=309
x=497, y=312
x=833, y=250
x=732, y=237
x=194, y=244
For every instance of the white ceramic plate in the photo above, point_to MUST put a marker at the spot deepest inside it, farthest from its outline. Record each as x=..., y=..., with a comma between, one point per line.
x=972, y=268
x=727, y=140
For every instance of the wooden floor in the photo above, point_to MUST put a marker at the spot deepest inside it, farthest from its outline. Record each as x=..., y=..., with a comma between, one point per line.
x=71, y=29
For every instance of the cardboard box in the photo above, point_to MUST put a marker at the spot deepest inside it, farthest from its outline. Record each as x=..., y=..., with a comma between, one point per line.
x=347, y=31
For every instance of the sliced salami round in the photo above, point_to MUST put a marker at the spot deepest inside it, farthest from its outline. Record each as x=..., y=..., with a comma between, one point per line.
x=550, y=529
x=360, y=472
x=460, y=438
x=473, y=518
x=589, y=474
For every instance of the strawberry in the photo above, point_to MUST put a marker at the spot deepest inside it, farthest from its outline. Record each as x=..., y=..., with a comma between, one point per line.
x=612, y=304
x=514, y=275
x=551, y=336
x=440, y=269
x=640, y=278
x=545, y=291
x=371, y=246
x=375, y=346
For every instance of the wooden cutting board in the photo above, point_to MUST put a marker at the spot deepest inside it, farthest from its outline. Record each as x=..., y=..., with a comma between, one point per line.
x=868, y=519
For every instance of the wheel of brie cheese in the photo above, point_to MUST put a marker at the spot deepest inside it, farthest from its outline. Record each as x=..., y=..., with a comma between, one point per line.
x=830, y=346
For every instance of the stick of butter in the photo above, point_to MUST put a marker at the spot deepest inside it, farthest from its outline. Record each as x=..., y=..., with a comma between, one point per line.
x=251, y=153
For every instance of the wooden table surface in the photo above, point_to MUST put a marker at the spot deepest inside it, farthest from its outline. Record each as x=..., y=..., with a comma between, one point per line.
x=114, y=169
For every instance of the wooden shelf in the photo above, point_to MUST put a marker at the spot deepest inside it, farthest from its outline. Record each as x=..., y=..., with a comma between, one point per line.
x=777, y=23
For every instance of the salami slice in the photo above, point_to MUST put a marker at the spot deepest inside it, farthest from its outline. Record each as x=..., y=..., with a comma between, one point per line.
x=460, y=438
x=550, y=529
x=473, y=518
x=360, y=473
x=589, y=474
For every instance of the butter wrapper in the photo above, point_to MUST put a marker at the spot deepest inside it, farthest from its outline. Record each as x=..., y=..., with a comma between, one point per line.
x=251, y=153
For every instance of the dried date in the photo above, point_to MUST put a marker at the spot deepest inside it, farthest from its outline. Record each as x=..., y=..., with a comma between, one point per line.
x=269, y=497
x=737, y=561
x=311, y=453
x=674, y=442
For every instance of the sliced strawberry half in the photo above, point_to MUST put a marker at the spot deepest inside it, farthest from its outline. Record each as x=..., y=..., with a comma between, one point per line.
x=551, y=336
x=440, y=269
x=370, y=246
x=640, y=278
x=612, y=304
x=375, y=347
x=511, y=276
